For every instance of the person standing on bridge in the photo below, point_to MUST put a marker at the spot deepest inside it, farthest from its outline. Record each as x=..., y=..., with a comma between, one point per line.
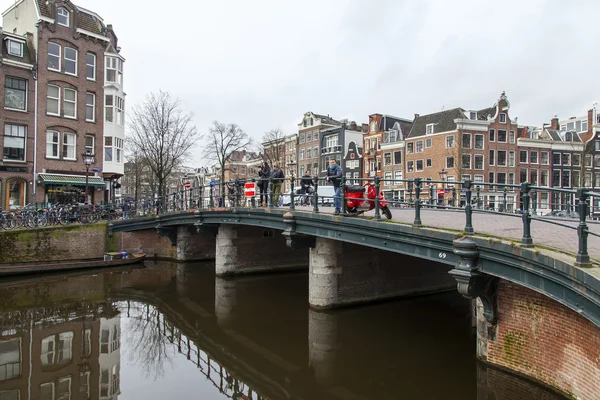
x=263, y=185
x=277, y=178
x=334, y=175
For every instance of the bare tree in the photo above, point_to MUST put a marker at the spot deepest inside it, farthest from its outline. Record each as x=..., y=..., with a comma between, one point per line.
x=272, y=145
x=163, y=135
x=221, y=142
x=136, y=173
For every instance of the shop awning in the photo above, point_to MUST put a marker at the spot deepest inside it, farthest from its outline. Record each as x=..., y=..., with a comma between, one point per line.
x=75, y=180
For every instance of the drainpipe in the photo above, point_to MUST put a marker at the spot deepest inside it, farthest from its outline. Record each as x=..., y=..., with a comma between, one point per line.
x=35, y=116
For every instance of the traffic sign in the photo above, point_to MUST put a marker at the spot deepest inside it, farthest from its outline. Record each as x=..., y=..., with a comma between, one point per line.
x=96, y=170
x=188, y=185
x=249, y=189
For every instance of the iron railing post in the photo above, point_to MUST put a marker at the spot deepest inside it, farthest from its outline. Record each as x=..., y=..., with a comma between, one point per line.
x=377, y=216
x=292, y=195
x=270, y=192
x=316, y=195
x=253, y=198
x=534, y=202
x=200, y=200
x=342, y=195
x=453, y=196
x=478, y=188
x=211, y=196
x=526, y=241
x=417, y=184
x=468, y=208
x=431, y=193
x=583, y=258
x=504, y=200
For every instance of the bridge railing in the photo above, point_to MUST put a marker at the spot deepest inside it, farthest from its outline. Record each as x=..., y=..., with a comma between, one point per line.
x=524, y=200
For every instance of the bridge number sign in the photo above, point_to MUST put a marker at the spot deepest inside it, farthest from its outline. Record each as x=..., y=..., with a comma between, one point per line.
x=249, y=189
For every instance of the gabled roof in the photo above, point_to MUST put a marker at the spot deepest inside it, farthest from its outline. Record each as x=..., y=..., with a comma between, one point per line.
x=327, y=119
x=87, y=21
x=388, y=122
x=482, y=115
x=443, y=120
x=27, y=58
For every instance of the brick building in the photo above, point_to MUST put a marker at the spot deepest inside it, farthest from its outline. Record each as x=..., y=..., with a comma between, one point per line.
x=309, y=141
x=72, y=45
x=372, y=155
x=17, y=60
x=392, y=151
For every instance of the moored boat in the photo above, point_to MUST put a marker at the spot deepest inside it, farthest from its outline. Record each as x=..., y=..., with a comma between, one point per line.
x=112, y=259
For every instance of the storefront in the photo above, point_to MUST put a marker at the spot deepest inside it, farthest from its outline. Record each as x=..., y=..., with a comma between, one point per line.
x=14, y=190
x=62, y=189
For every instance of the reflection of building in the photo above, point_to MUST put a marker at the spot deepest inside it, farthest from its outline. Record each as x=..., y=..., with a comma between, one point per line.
x=71, y=357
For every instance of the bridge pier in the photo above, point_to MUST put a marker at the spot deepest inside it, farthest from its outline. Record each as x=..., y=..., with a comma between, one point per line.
x=323, y=346
x=343, y=273
x=245, y=250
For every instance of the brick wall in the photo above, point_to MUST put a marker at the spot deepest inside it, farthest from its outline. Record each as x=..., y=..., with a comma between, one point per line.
x=547, y=341
x=146, y=241
x=74, y=242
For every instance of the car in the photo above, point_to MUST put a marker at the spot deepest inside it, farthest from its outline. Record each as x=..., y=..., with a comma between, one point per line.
x=563, y=214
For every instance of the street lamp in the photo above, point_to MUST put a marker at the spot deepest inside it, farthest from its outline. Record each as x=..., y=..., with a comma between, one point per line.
x=443, y=176
x=88, y=159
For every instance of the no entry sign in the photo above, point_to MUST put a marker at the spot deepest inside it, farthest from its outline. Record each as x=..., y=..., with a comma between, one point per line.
x=188, y=185
x=249, y=189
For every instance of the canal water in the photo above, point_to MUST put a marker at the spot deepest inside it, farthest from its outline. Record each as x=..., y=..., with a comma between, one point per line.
x=174, y=331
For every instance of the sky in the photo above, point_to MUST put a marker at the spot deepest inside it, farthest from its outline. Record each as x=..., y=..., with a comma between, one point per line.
x=262, y=64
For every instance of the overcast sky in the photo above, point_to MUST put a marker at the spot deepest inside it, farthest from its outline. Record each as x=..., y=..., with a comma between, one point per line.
x=262, y=64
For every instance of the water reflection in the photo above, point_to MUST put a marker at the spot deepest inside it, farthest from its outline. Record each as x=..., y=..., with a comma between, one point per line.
x=174, y=330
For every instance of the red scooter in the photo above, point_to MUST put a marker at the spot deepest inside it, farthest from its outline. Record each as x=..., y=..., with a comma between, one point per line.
x=357, y=203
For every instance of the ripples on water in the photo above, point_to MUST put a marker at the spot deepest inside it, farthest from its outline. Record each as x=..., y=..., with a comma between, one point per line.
x=175, y=331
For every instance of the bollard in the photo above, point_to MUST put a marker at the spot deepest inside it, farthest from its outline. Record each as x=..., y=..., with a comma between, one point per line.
x=292, y=200
x=468, y=208
x=417, y=184
x=583, y=258
x=316, y=196
x=526, y=241
x=377, y=216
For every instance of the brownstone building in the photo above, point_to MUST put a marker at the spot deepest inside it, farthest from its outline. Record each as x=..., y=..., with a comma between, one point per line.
x=17, y=60
x=70, y=43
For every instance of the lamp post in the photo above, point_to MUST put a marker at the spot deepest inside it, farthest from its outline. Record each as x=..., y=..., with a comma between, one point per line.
x=443, y=176
x=88, y=159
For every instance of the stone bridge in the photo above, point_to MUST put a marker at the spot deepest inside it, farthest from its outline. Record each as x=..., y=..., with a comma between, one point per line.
x=537, y=307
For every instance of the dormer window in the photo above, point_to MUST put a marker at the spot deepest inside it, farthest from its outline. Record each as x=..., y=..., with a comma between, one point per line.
x=63, y=16
x=473, y=115
x=429, y=129
x=502, y=118
x=15, y=48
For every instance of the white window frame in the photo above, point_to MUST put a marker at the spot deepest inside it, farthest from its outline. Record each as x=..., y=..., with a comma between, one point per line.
x=49, y=152
x=15, y=79
x=482, y=142
x=67, y=146
x=90, y=65
x=470, y=161
x=482, y=162
x=120, y=110
x=492, y=159
x=20, y=129
x=108, y=66
x=57, y=99
x=511, y=158
x=385, y=163
x=417, y=165
x=59, y=56
x=526, y=156
x=547, y=157
x=453, y=162
x=111, y=107
x=498, y=152
x=119, y=72
x=428, y=143
x=87, y=148
x=462, y=140
x=511, y=137
x=92, y=105
x=429, y=129
x=9, y=46
x=65, y=14
x=419, y=144
x=74, y=102
x=67, y=60
x=449, y=138
x=502, y=118
x=537, y=157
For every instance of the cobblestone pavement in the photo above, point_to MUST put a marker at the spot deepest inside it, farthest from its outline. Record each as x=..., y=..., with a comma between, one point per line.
x=544, y=231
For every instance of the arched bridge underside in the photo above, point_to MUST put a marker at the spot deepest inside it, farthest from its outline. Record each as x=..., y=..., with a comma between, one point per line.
x=478, y=262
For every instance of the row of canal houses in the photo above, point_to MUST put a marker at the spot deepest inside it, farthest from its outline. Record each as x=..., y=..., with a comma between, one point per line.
x=482, y=145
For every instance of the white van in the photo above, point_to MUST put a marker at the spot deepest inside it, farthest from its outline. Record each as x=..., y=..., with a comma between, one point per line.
x=326, y=195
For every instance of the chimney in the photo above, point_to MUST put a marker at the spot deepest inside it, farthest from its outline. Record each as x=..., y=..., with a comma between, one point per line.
x=554, y=123
x=365, y=128
x=416, y=116
x=590, y=119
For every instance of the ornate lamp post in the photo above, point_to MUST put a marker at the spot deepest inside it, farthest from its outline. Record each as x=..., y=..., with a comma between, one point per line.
x=88, y=159
x=443, y=176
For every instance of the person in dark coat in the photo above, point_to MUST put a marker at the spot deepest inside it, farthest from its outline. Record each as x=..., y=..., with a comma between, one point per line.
x=263, y=185
x=334, y=175
x=277, y=178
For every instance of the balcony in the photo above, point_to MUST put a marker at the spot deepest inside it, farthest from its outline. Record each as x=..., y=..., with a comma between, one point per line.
x=331, y=149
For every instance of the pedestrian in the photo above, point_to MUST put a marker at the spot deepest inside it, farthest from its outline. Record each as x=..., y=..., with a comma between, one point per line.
x=263, y=185
x=277, y=178
x=125, y=209
x=306, y=187
x=334, y=175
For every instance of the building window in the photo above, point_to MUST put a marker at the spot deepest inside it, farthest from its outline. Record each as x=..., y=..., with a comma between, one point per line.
x=501, y=158
x=90, y=66
x=556, y=158
x=523, y=176
x=478, y=161
x=111, y=69
x=492, y=157
x=428, y=143
x=53, y=100
x=501, y=136
x=15, y=94
x=410, y=166
x=502, y=118
x=576, y=160
x=301, y=154
x=544, y=177
x=466, y=140
x=479, y=142
x=511, y=137
x=544, y=158
x=492, y=135
x=52, y=142
x=501, y=177
x=398, y=177
x=466, y=161
x=533, y=157
x=429, y=129
x=419, y=146
x=69, y=104
x=119, y=153
x=523, y=156
x=316, y=151
x=397, y=157
x=120, y=108
x=70, y=61
x=428, y=163
x=450, y=162
x=315, y=135
x=533, y=177
x=388, y=177
x=419, y=165
x=332, y=141
x=108, y=108
x=68, y=147
x=566, y=178
x=308, y=153
x=53, y=56
x=62, y=16
x=14, y=142
x=108, y=150
x=511, y=158
x=89, y=144
x=566, y=159
x=120, y=72
x=387, y=159
x=409, y=148
x=90, y=107
x=15, y=48
x=449, y=142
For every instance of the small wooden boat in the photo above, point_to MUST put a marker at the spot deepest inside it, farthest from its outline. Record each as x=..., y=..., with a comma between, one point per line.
x=110, y=260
